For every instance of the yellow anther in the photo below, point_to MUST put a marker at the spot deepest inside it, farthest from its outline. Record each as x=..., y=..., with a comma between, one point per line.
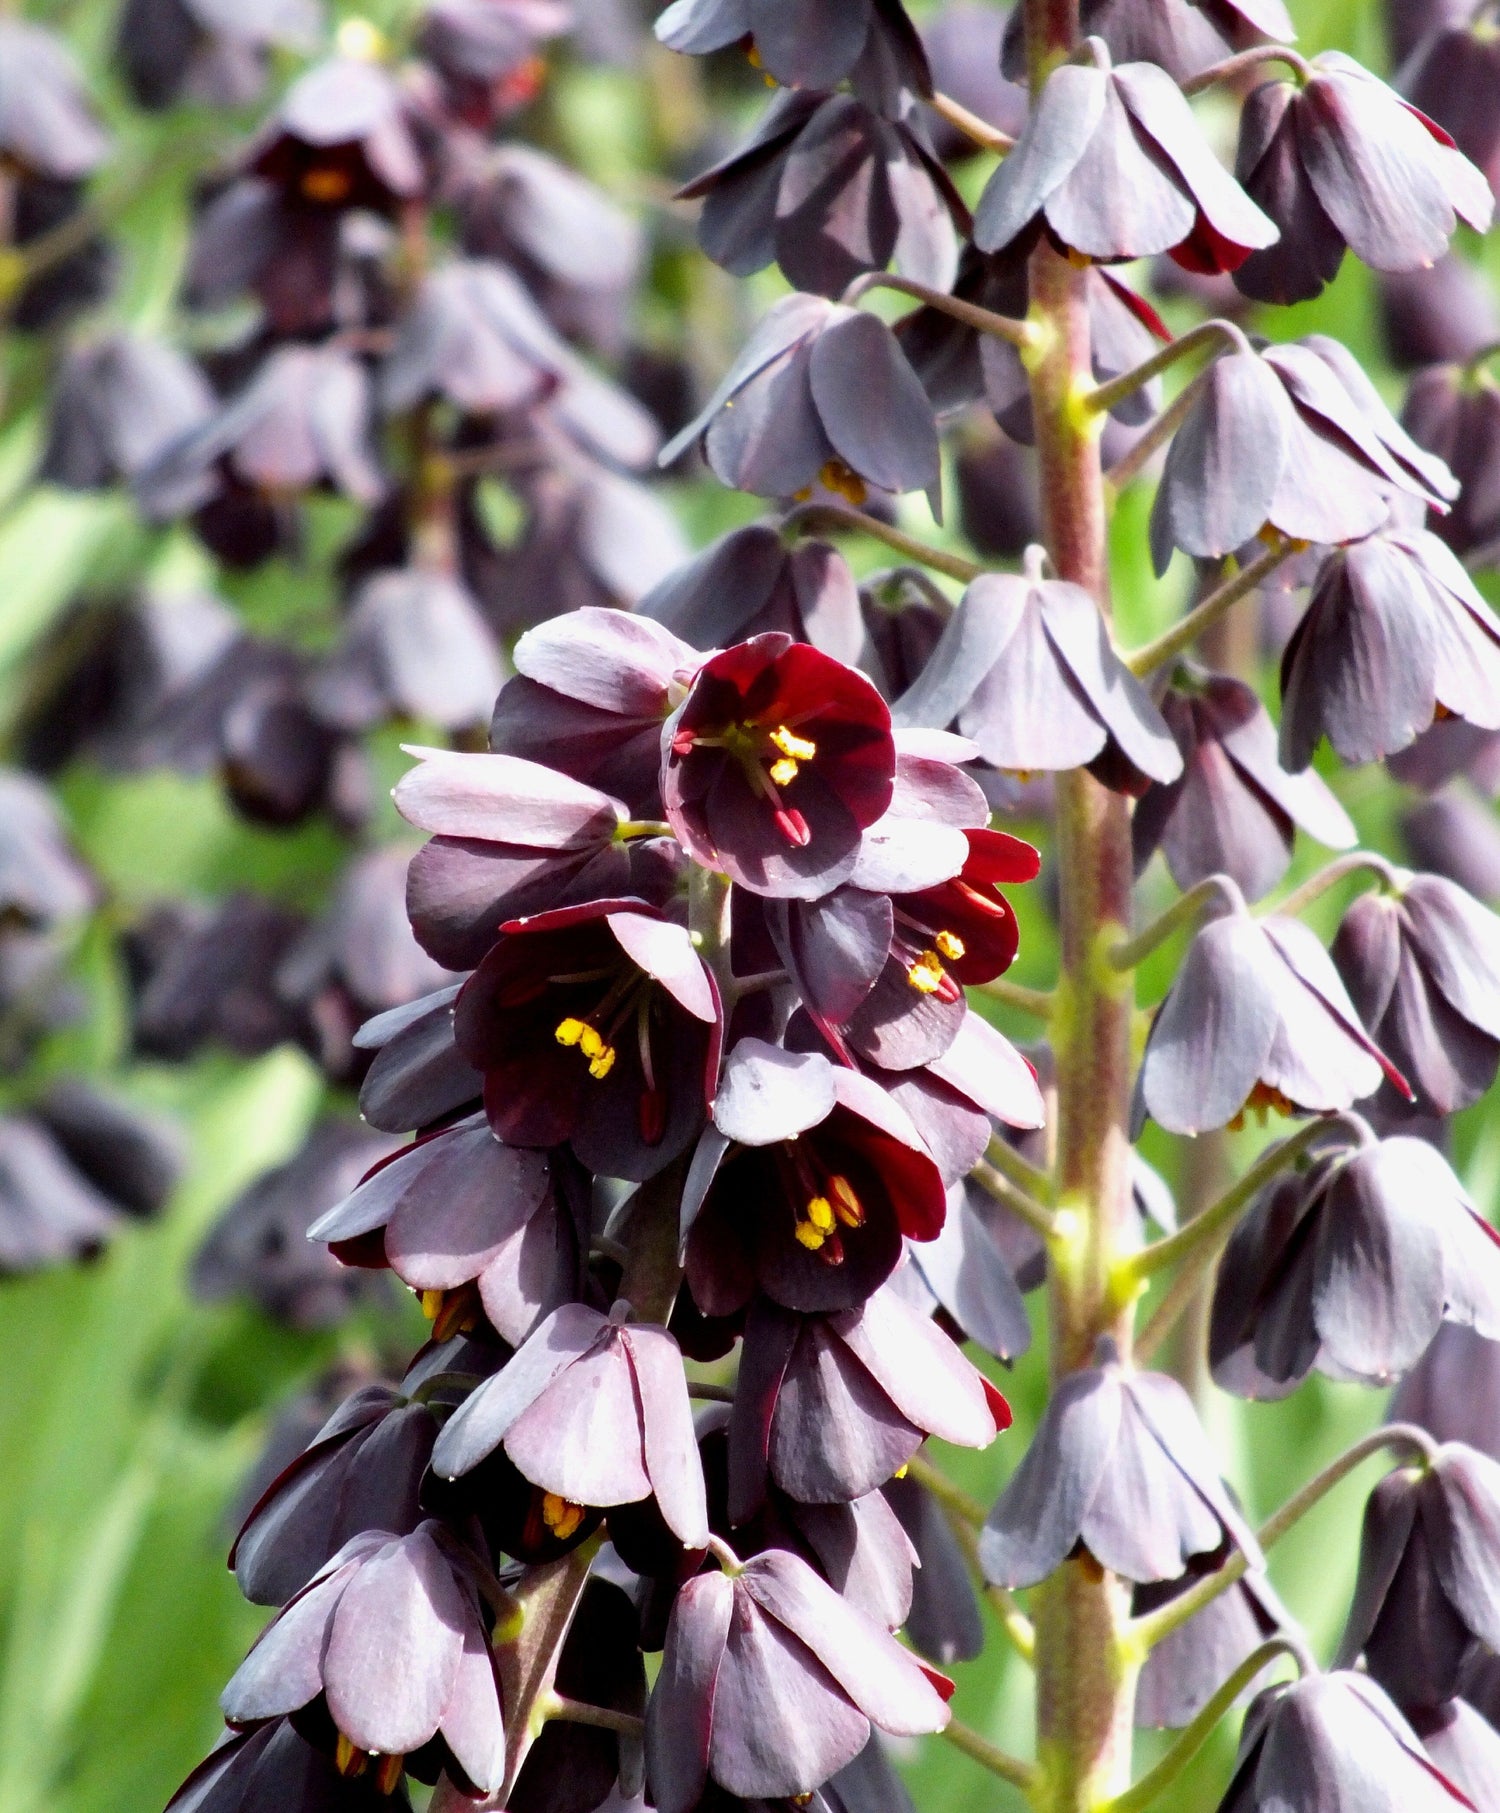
x=784, y=772
x=752, y=56
x=820, y=1214
x=590, y=1043
x=569, y=1032
x=794, y=748
x=846, y=1205
x=949, y=946
x=809, y=1236
x=388, y=1773
x=432, y=1304
x=602, y=1063
x=902, y=1471
x=561, y=1515
x=348, y=1759
x=923, y=979
x=843, y=482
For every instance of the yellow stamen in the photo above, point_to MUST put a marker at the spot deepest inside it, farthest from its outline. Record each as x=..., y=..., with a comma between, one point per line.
x=326, y=185
x=570, y=1032
x=432, y=1304
x=794, y=748
x=926, y=974
x=561, y=1515
x=600, y=1066
x=820, y=1214
x=845, y=483
x=902, y=1471
x=809, y=1236
x=388, y=1773
x=590, y=1043
x=949, y=946
x=846, y=1205
x=784, y=772
x=347, y=1759
x=752, y=56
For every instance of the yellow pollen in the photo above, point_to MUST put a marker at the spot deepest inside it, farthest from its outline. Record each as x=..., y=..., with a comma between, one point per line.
x=752, y=56
x=820, y=1214
x=809, y=1236
x=569, y=1032
x=432, y=1304
x=949, y=946
x=602, y=1062
x=347, y=1759
x=784, y=772
x=794, y=748
x=838, y=478
x=902, y=1471
x=926, y=974
x=362, y=39
x=846, y=1205
x=325, y=185
x=561, y=1515
x=590, y=1043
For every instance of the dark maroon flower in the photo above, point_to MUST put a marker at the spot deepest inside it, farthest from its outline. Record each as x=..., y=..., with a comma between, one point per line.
x=1453, y=1391
x=829, y=189
x=944, y=1622
x=828, y=1408
x=1296, y=437
x=597, y=1025
x=1351, y=1269
x=391, y=1637
x=118, y=402
x=132, y=1155
x=1026, y=668
x=1112, y=162
x=488, y=52
x=770, y=1683
x=594, y=1412
x=1257, y=1018
x=1422, y=966
x=47, y=126
x=1186, y=1668
x=1455, y=414
x=1444, y=313
x=1338, y=159
x=205, y=50
x=803, y=1186
x=1464, y=1745
x=1394, y=633
x=998, y=503
x=341, y=139
x=476, y=1228
x=1121, y=1467
x=417, y=1077
x=773, y=765
x=1452, y=76
x=1333, y=1743
x=272, y=1766
x=1235, y=810
x=819, y=395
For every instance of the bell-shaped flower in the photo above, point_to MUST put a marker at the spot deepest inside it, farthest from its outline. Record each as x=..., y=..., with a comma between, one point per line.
x=1351, y=1270
x=1235, y=810
x=1464, y=1745
x=47, y=125
x=1451, y=75
x=474, y=1227
x=1121, y=1469
x=594, y=1411
x=1293, y=437
x=1189, y=1664
x=822, y=395
x=1455, y=414
x=966, y=1275
x=770, y=1683
x=1338, y=159
x=1422, y=965
x=1334, y=1743
x=1025, y=668
x=1395, y=632
x=803, y=1186
x=1256, y=1018
x=118, y=401
x=1453, y=1391
x=392, y=1638
x=1444, y=314
x=417, y=1077
x=944, y=1622
x=1112, y=163
x=1428, y=1588
x=273, y=1766
x=774, y=765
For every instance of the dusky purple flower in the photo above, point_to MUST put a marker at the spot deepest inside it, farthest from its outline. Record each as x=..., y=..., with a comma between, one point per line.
x=998, y=503
x=1422, y=966
x=361, y=1471
x=749, y=581
x=823, y=395
x=1350, y=1270
x=1121, y=1469
x=1235, y=810
x=509, y=837
x=417, y=1076
x=1464, y=1745
x=774, y=764
x=1429, y=1576
x=1455, y=414
x=829, y=1408
x=43, y=881
x=478, y=1229
x=811, y=43
x=259, y=1247
x=944, y=1622
x=1451, y=76
x=964, y=1273
x=1394, y=633
x=1446, y=312
x=302, y=261
x=1187, y=1667
x=51, y=1209
x=118, y=401
x=392, y=1638
x=598, y=1025
x=829, y=189
x=962, y=40
x=47, y=126
x=803, y=1186
x=488, y=53
x=341, y=138
x=1453, y=1391
x=1339, y=159
x=1294, y=437
x=1112, y=163
x=1257, y=1017
x=1334, y=1743
x=206, y=50
x=133, y=1155
x=594, y=1411
x=1026, y=669
x=273, y=1766
x=770, y=1683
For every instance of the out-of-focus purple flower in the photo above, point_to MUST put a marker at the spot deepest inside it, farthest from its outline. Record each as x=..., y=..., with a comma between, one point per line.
x=272, y=1766
x=117, y=403
x=43, y=881
x=962, y=40
x=1190, y=1663
x=1026, y=669
x=1119, y=1465
x=1395, y=630
x=47, y=126
x=1235, y=810
x=1455, y=414
x=1422, y=966
x=1444, y=313
x=1350, y=1270
x=417, y=1076
x=770, y=1683
x=944, y=1622
x=1257, y=1017
x=594, y=1411
x=1453, y=1391
x=488, y=53
x=1453, y=75
x=392, y=1639
x=819, y=395
x=998, y=503
x=341, y=138
x=208, y=51
x=1111, y=161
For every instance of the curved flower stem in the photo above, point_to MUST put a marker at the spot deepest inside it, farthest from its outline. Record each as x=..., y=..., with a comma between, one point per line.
x=809, y=519
x=1146, y=1632
x=1040, y=1003
x=1192, y=1738
x=1357, y=862
x=989, y=1756
x=1130, y=953
x=1182, y=635
x=706, y=1393
x=1012, y=1197
x=1230, y=339
x=1156, y=434
x=1025, y=1175
x=980, y=132
x=966, y=1518
x=1022, y=334
x=641, y=827
x=1487, y=352
x=1248, y=60
x=576, y=1712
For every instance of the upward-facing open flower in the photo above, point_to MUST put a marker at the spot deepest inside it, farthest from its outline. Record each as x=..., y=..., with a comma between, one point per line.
x=803, y=1186
x=1112, y=163
x=594, y=1411
x=820, y=395
x=775, y=763
x=598, y=1025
